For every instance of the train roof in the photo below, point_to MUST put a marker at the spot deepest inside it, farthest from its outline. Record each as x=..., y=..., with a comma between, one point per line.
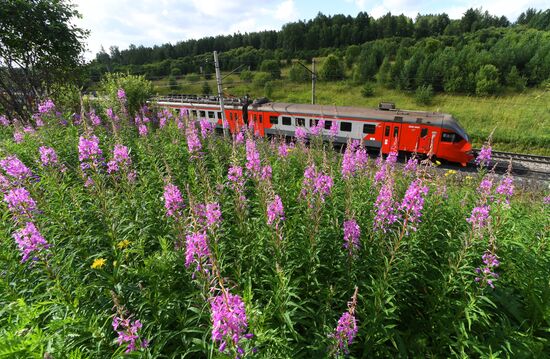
x=407, y=116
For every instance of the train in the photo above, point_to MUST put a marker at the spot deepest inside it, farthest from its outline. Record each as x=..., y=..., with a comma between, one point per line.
x=385, y=128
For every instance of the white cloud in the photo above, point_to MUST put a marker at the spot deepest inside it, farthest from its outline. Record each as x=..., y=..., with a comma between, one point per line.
x=286, y=11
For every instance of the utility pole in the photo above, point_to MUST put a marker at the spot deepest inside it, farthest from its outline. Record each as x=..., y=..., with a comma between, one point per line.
x=313, y=78
x=220, y=93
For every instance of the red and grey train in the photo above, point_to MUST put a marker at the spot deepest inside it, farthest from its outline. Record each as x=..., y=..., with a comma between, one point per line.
x=383, y=128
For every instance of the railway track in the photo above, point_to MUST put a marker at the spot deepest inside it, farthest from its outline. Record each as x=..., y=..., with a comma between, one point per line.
x=524, y=165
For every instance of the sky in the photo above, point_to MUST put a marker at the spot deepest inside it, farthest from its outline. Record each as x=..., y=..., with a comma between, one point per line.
x=155, y=22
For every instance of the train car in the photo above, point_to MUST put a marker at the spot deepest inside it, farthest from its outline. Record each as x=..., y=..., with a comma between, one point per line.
x=384, y=128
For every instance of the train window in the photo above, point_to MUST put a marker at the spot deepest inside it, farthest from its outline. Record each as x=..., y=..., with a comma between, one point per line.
x=219, y=115
x=194, y=112
x=313, y=122
x=287, y=121
x=300, y=121
x=419, y=120
x=345, y=126
x=395, y=131
x=387, y=131
x=448, y=137
x=367, y=128
x=398, y=118
x=211, y=114
x=424, y=132
x=274, y=120
x=202, y=114
x=328, y=125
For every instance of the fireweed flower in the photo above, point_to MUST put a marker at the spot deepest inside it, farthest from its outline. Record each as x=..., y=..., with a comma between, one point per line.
x=385, y=208
x=38, y=121
x=193, y=141
x=333, y=129
x=111, y=114
x=206, y=127
x=505, y=189
x=121, y=159
x=239, y=138
x=485, y=273
x=253, y=164
x=15, y=168
x=48, y=157
x=18, y=137
x=300, y=134
x=173, y=201
x=275, y=211
x=46, y=106
x=479, y=218
x=20, y=202
x=266, y=173
x=348, y=161
x=121, y=94
x=392, y=157
x=316, y=183
x=283, y=150
x=128, y=333
x=4, y=184
x=352, y=232
x=485, y=187
x=94, y=118
x=411, y=165
x=318, y=128
x=197, y=251
x=89, y=152
x=413, y=202
x=212, y=214
x=346, y=330
x=546, y=200
x=229, y=322
x=4, y=121
x=484, y=156
x=30, y=242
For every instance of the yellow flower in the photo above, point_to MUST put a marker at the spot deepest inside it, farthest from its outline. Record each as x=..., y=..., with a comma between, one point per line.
x=123, y=244
x=437, y=163
x=468, y=178
x=450, y=173
x=98, y=263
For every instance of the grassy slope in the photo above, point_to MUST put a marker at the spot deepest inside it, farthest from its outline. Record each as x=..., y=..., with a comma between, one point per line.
x=521, y=121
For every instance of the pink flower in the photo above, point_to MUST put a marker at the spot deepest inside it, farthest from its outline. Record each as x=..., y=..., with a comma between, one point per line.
x=48, y=157
x=229, y=322
x=352, y=232
x=275, y=211
x=197, y=251
x=15, y=168
x=29, y=241
x=173, y=201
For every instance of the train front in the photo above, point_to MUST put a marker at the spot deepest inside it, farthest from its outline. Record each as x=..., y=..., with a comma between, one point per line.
x=454, y=144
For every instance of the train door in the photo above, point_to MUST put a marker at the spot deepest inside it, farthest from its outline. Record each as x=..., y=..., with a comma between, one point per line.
x=424, y=140
x=390, y=136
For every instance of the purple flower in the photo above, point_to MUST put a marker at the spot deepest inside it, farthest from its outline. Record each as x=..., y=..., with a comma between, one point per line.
x=143, y=130
x=318, y=128
x=20, y=202
x=346, y=330
x=385, y=208
x=88, y=150
x=121, y=94
x=348, y=161
x=486, y=186
x=486, y=274
x=46, y=106
x=111, y=114
x=18, y=137
x=173, y=201
x=4, y=121
x=128, y=333
x=352, y=232
x=275, y=211
x=29, y=241
x=239, y=138
x=300, y=134
x=316, y=183
x=333, y=129
x=121, y=158
x=206, y=127
x=94, y=118
x=392, y=157
x=15, y=168
x=193, y=141
x=284, y=149
x=48, y=157
x=235, y=174
x=411, y=165
x=479, y=217
x=546, y=200
x=212, y=214
x=4, y=184
x=253, y=164
x=229, y=322
x=484, y=156
x=197, y=251
x=506, y=188
x=413, y=202
x=266, y=173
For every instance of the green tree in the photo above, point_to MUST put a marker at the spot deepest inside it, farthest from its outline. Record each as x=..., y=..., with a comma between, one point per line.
x=367, y=90
x=138, y=90
x=268, y=89
x=39, y=46
x=246, y=76
x=298, y=74
x=352, y=52
x=515, y=80
x=206, y=90
x=384, y=72
x=260, y=78
x=273, y=67
x=172, y=83
x=487, y=80
x=424, y=95
x=366, y=68
x=332, y=69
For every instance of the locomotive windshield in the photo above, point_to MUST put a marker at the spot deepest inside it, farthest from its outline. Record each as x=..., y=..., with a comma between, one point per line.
x=453, y=126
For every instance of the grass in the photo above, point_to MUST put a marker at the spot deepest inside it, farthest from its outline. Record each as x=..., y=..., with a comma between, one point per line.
x=521, y=121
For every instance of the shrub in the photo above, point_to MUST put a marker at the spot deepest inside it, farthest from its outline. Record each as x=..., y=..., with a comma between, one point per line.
x=268, y=89
x=260, y=78
x=298, y=74
x=515, y=80
x=206, y=90
x=246, y=76
x=138, y=90
x=332, y=69
x=192, y=77
x=272, y=67
x=424, y=95
x=487, y=80
x=367, y=90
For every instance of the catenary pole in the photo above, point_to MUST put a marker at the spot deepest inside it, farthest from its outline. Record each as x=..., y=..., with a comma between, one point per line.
x=220, y=93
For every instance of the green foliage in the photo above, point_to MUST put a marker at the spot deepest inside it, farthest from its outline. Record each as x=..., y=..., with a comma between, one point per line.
x=273, y=67
x=138, y=90
x=367, y=90
x=192, y=77
x=173, y=83
x=417, y=294
x=40, y=46
x=261, y=78
x=298, y=74
x=332, y=69
x=174, y=71
x=487, y=82
x=206, y=89
x=352, y=52
x=365, y=68
x=384, y=71
x=246, y=76
x=515, y=80
x=268, y=89
x=424, y=95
